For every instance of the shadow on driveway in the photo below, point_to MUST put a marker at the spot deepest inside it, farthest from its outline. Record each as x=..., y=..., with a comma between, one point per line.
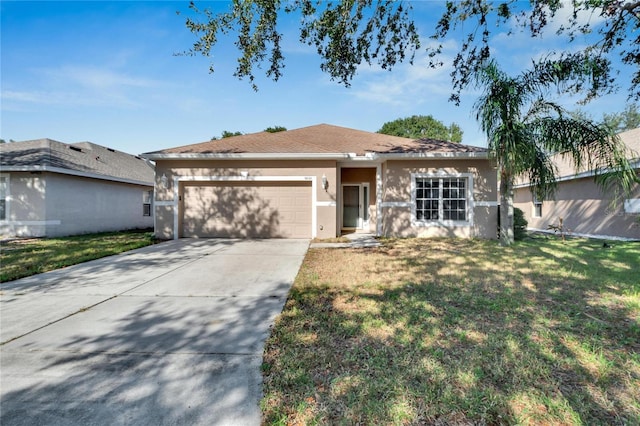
x=181, y=343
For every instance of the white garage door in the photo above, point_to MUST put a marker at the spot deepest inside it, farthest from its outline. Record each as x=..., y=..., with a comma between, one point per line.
x=247, y=210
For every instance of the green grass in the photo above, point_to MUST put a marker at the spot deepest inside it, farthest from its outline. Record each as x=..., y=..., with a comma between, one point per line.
x=459, y=332
x=25, y=257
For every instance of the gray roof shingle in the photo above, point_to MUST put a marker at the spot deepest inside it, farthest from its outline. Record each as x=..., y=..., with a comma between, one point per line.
x=85, y=157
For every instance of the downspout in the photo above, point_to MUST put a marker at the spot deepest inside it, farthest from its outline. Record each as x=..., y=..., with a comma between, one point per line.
x=176, y=207
x=379, y=200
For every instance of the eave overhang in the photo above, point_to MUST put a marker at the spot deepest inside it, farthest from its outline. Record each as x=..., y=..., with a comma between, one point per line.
x=370, y=156
x=60, y=170
x=635, y=164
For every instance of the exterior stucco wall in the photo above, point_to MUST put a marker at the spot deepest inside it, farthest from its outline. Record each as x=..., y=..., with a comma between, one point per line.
x=26, y=208
x=163, y=222
x=397, y=203
x=585, y=209
x=327, y=222
x=485, y=222
x=182, y=170
x=51, y=205
x=396, y=219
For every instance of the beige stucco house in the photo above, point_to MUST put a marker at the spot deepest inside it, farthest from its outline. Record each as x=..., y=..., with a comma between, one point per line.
x=585, y=209
x=321, y=181
x=49, y=189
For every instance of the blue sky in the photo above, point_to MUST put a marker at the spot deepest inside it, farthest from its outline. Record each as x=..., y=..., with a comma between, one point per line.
x=106, y=72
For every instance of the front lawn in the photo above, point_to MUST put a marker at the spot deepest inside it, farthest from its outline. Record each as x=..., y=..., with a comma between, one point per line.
x=457, y=332
x=25, y=257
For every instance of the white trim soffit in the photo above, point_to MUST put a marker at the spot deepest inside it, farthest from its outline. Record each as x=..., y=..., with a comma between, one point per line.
x=587, y=174
x=71, y=172
x=248, y=178
x=315, y=156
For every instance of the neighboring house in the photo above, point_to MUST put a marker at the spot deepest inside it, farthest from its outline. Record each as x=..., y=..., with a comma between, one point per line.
x=50, y=188
x=585, y=209
x=321, y=181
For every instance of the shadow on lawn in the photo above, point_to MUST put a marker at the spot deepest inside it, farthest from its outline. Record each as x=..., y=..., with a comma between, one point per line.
x=470, y=333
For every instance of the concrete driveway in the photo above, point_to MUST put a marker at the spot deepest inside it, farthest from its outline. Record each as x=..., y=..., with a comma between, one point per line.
x=168, y=334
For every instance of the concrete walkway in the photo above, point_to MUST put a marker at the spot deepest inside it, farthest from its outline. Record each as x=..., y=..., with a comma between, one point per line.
x=167, y=334
x=357, y=240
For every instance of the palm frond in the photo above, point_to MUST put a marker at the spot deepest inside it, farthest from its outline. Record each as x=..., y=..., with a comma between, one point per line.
x=614, y=172
x=589, y=147
x=542, y=173
x=541, y=107
x=526, y=132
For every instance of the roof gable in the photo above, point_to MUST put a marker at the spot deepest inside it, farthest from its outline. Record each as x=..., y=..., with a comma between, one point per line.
x=630, y=139
x=319, y=139
x=83, y=157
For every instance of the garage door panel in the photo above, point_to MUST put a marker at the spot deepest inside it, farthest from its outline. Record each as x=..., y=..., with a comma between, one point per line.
x=286, y=201
x=288, y=216
x=299, y=217
x=245, y=210
x=300, y=230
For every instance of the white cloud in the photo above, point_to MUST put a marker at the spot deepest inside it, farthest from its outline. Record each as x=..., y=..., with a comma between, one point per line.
x=64, y=98
x=96, y=78
x=399, y=87
x=73, y=85
x=30, y=97
x=515, y=49
x=519, y=35
x=564, y=15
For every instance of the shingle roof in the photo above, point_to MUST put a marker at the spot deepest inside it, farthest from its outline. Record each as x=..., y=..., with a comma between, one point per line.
x=319, y=139
x=84, y=157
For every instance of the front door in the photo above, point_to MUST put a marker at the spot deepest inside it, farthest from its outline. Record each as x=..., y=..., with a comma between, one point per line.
x=355, y=206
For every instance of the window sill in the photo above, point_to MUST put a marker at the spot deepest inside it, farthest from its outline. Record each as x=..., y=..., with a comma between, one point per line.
x=440, y=223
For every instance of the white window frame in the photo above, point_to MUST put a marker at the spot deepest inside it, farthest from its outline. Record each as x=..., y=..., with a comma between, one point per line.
x=147, y=199
x=537, y=204
x=440, y=221
x=632, y=206
x=7, y=197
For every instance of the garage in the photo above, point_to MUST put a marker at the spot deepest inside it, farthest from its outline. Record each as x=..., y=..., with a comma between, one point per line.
x=246, y=209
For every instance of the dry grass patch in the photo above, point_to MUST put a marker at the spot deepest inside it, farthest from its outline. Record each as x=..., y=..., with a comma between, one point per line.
x=459, y=332
x=331, y=240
